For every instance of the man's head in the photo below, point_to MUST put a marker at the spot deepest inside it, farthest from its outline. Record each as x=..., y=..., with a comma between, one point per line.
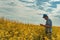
x=45, y=16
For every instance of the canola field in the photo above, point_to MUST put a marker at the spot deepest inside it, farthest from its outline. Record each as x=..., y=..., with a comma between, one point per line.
x=12, y=30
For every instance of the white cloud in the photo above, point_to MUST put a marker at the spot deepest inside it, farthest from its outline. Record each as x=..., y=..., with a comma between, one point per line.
x=30, y=0
x=20, y=12
x=55, y=0
x=56, y=11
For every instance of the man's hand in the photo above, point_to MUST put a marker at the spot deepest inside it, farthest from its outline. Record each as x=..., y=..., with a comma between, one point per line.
x=41, y=24
x=45, y=25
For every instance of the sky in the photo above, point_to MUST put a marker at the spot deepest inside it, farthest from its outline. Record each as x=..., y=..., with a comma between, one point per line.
x=31, y=11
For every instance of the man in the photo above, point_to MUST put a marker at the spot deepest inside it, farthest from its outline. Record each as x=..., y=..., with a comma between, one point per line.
x=48, y=26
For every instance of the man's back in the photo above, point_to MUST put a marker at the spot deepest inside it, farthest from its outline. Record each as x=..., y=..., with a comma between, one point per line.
x=49, y=22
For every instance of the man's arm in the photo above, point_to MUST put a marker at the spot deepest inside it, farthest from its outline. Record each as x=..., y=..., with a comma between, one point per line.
x=45, y=25
x=49, y=24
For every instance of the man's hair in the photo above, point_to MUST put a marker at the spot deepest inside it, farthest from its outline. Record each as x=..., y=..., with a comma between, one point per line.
x=45, y=15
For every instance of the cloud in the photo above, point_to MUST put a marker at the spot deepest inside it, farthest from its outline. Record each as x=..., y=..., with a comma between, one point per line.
x=55, y=0
x=36, y=4
x=54, y=4
x=19, y=12
x=26, y=1
x=56, y=11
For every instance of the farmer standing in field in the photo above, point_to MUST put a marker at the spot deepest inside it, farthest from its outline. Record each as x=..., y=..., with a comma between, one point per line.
x=48, y=26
